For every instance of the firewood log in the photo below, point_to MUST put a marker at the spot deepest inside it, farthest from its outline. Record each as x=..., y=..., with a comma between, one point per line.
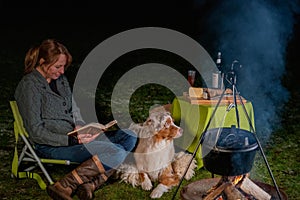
x=251, y=188
x=232, y=193
x=215, y=193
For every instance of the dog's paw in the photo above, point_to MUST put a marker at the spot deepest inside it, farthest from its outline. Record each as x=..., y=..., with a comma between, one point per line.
x=147, y=184
x=159, y=191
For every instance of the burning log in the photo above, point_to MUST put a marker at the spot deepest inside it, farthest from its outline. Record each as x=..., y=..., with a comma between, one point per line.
x=222, y=180
x=199, y=190
x=236, y=187
x=232, y=193
x=215, y=193
x=251, y=188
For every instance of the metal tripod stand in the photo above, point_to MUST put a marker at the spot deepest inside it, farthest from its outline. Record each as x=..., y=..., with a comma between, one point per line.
x=231, y=79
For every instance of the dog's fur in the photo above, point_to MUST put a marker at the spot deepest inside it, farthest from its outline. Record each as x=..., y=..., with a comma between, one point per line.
x=155, y=157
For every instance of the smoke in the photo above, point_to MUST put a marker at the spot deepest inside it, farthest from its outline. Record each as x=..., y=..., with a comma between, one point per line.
x=256, y=33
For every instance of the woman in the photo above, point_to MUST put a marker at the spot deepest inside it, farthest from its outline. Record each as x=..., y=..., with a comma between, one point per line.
x=49, y=112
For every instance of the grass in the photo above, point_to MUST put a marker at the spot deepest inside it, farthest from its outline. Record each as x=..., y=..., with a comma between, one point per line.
x=281, y=151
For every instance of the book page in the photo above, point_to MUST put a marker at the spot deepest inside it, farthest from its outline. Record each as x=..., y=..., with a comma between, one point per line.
x=93, y=128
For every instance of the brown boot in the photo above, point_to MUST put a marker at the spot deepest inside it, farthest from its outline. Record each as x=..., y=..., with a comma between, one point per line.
x=64, y=188
x=86, y=190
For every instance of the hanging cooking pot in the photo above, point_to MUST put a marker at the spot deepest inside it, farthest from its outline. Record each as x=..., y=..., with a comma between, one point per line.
x=228, y=151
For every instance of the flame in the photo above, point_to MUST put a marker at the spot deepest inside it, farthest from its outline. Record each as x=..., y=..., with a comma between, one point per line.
x=219, y=198
x=237, y=179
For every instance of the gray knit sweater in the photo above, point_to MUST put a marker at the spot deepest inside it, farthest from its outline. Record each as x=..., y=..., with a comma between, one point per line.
x=47, y=116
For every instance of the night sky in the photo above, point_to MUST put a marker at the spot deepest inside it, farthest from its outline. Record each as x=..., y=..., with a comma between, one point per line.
x=263, y=35
x=84, y=25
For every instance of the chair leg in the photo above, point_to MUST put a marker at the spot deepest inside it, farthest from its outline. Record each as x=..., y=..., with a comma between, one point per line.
x=37, y=159
x=34, y=176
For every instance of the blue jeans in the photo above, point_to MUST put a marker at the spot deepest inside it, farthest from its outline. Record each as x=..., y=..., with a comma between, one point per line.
x=112, y=147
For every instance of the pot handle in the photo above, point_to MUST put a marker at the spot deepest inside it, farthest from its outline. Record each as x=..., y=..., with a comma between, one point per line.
x=227, y=138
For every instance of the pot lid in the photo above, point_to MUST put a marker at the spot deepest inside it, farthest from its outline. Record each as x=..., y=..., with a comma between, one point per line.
x=229, y=138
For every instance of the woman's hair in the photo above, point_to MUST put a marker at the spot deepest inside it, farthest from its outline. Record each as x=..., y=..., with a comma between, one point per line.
x=49, y=50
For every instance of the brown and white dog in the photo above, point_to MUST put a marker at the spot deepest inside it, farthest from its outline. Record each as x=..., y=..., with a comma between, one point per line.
x=155, y=157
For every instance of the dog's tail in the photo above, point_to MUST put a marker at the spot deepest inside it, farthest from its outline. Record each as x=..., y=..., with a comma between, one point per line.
x=180, y=163
x=129, y=174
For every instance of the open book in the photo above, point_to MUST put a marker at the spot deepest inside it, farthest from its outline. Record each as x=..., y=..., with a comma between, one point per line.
x=93, y=128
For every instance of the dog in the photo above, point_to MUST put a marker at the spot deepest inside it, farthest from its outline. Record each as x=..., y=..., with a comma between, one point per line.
x=155, y=157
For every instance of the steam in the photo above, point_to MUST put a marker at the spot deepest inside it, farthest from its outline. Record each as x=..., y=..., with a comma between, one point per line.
x=255, y=33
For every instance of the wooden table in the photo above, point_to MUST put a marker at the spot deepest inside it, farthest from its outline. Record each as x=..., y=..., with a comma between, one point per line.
x=193, y=118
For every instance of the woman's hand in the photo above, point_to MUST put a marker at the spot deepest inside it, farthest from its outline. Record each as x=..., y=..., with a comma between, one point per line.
x=84, y=138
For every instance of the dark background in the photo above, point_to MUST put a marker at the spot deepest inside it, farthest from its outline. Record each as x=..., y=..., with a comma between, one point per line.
x=83, y=25
x=262, y=35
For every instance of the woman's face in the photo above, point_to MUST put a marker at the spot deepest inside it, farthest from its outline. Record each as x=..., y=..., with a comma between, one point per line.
x=56, y=69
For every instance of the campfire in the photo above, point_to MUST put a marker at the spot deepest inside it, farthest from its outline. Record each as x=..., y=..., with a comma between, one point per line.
x=236, y=187
x=230, y=188
x=229, y=153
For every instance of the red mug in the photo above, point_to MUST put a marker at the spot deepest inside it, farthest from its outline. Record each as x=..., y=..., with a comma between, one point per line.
x=191, y=77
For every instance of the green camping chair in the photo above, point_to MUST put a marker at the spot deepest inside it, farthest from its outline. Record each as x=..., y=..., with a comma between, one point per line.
x=28, y=154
